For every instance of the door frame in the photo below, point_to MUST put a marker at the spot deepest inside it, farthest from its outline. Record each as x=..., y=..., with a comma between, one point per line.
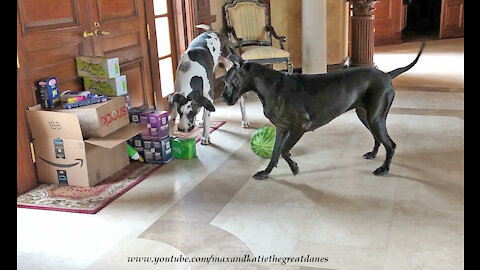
x=175, y=15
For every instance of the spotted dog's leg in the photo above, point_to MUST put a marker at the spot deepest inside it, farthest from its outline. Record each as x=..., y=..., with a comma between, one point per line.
x=245, y=123
x=206, y=127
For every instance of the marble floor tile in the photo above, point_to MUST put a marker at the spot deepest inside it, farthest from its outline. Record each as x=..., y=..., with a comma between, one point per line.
x=418, y=242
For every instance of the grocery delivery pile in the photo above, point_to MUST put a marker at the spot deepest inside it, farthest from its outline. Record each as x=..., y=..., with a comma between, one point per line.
x=82, y=136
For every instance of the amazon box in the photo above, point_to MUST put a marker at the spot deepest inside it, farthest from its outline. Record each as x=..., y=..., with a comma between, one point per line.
x=101, y=119
x=63, y=155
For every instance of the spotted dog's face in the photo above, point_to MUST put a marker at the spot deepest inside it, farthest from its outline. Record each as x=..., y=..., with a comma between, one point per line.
x=187, y=114
x=187, y=109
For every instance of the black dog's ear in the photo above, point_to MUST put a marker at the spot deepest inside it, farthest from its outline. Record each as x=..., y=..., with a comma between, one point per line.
x=236, y=59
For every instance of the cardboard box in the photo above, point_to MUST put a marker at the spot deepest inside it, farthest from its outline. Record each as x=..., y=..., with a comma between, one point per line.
x=113, y=87
x=184, y=148
x=101, y=119
x=62, y=154
x=102, y=67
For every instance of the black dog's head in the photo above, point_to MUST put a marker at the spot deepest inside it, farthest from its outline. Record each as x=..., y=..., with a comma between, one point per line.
x=237, y=80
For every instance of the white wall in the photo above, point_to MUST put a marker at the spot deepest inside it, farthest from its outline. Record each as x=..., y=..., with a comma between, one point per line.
x=314, y=36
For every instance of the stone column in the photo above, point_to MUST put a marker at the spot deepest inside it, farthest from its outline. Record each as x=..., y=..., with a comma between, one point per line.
x=362, y=33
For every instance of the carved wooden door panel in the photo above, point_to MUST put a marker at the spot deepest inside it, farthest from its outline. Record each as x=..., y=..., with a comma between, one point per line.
x=49, y=37
x=48, y=42
x=452, y=19
x=120, y=31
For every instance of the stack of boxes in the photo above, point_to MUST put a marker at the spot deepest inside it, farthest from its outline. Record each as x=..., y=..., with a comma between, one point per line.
x=81, y=146
x=101, y=76
x=154, y=144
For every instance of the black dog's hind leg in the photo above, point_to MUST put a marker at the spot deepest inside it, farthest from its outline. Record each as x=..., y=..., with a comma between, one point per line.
x=280, y=138
x=289, y=143
x=378, y=128
x=362, y=115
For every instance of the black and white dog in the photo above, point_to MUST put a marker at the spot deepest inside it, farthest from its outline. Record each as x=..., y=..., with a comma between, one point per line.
x=195, y=79
x=298, y=103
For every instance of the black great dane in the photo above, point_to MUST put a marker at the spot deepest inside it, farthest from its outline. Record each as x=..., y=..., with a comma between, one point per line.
x=298, y=103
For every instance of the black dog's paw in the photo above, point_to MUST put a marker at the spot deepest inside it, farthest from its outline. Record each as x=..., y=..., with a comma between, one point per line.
x=261, y=175
x=307, y=126
x=381, y=171
x=370, y=155
x=294, y=168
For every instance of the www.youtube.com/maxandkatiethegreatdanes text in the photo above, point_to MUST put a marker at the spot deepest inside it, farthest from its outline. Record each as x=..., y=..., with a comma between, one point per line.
x=225, y=259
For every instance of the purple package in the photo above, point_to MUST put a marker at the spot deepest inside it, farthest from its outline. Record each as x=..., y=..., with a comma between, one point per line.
x=158, y=118
x=134, y=114
x=157, y=125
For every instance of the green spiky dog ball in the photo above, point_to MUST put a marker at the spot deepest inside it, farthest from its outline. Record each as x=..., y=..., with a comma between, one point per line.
x=262, y=141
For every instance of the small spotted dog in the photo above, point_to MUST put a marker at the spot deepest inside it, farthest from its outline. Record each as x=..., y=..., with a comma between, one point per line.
x=204, y=59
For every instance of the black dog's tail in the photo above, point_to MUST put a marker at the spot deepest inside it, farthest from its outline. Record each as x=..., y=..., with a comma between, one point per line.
x=398, y=71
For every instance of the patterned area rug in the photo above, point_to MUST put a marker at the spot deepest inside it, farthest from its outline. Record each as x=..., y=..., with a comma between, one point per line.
x=90, y=200
x=198, y=130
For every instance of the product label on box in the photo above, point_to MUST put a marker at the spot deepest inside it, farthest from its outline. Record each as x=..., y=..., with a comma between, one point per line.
x=91, y=68
x=112, y=116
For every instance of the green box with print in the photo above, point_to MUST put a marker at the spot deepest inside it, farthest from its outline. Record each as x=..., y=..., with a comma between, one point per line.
x=113, y=87
x=184, y=148
x=97, y=66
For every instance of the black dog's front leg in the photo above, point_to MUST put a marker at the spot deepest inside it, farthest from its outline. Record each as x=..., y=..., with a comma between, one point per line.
x=280, y=138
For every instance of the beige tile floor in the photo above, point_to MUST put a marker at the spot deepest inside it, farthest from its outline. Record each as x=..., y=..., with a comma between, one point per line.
x=413, y=218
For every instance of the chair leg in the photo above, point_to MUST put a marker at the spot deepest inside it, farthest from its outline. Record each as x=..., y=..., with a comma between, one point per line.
x=289, y=66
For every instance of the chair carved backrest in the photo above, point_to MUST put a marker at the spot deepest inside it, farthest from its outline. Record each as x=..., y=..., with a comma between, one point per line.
x=249, y=20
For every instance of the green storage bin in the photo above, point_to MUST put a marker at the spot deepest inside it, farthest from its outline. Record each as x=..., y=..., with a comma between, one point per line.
x=184, y=148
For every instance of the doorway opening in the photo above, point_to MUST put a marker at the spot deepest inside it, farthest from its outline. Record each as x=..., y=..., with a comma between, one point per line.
x=423, y=20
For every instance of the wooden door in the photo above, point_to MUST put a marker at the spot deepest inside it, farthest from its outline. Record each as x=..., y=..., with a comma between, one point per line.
x=51, y=33
x=452, y=19
x=49, y=37
x=388, y=21
x=163, y=49
x=121, y=31
x=26, y=175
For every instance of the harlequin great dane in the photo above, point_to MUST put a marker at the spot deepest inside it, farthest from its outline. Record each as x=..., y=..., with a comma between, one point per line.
x=298, y=103
x=203, y=60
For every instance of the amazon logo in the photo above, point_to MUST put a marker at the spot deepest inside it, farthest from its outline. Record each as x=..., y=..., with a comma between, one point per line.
x=79, y=161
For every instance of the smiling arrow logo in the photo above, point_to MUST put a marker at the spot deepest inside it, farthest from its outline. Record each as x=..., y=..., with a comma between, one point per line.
x=80, y=161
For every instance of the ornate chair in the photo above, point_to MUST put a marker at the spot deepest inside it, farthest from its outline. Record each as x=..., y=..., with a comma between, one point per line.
x=250, y=31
